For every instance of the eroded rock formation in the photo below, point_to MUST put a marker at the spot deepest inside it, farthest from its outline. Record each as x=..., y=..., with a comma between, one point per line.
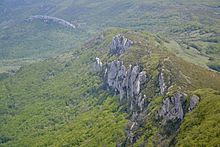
x=119, y=45
x=127, y=83
x=172, y=112
x=130, y=84
x=172, y=107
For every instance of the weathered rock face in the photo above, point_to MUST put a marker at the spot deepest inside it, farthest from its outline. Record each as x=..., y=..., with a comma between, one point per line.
x=172, y=107
x=119, y=45
x=126, y=83
x=172, y=112
x=194, y=100
x=129, y=85
x=97, y=66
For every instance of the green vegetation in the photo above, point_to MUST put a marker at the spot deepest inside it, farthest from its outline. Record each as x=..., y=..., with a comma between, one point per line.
x=201, y=126
x=195, y=28
x=59, y=101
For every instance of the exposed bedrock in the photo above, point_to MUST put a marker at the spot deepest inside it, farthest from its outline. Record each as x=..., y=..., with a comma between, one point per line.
x=119, y=45
x=175, y=107
x=131, y=85
x=172, y=107
x=127, y=83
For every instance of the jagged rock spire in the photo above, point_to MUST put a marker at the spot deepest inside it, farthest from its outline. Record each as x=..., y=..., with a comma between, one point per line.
x=126, y=83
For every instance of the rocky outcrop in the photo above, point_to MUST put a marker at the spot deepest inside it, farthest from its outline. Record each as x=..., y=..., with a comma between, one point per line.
x=171, y=114
x=45, y=18
x=127, y=83
x=194, y=100
x=119, y=45
x=173, y=107
x=97, y=66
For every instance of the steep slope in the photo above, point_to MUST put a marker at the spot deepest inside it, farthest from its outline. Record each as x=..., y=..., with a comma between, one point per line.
x=66, y=101
x=200, y=127
x=56, y=102
x=157, y=105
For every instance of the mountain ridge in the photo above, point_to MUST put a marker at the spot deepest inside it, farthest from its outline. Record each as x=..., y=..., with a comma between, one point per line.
x=61, y=101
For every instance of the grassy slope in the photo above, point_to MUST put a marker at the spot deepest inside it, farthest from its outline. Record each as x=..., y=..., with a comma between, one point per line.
x=201, y=126
x=59, y=101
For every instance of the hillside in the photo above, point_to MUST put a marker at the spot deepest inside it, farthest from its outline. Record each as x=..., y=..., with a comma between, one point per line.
x=192, y=25
x=141, y=94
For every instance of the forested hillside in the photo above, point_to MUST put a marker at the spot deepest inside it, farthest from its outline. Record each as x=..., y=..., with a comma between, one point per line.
x=62, y=101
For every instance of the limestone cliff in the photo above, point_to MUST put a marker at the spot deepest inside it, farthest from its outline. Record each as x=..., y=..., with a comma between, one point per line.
x=127, y=83
x=172, y=107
